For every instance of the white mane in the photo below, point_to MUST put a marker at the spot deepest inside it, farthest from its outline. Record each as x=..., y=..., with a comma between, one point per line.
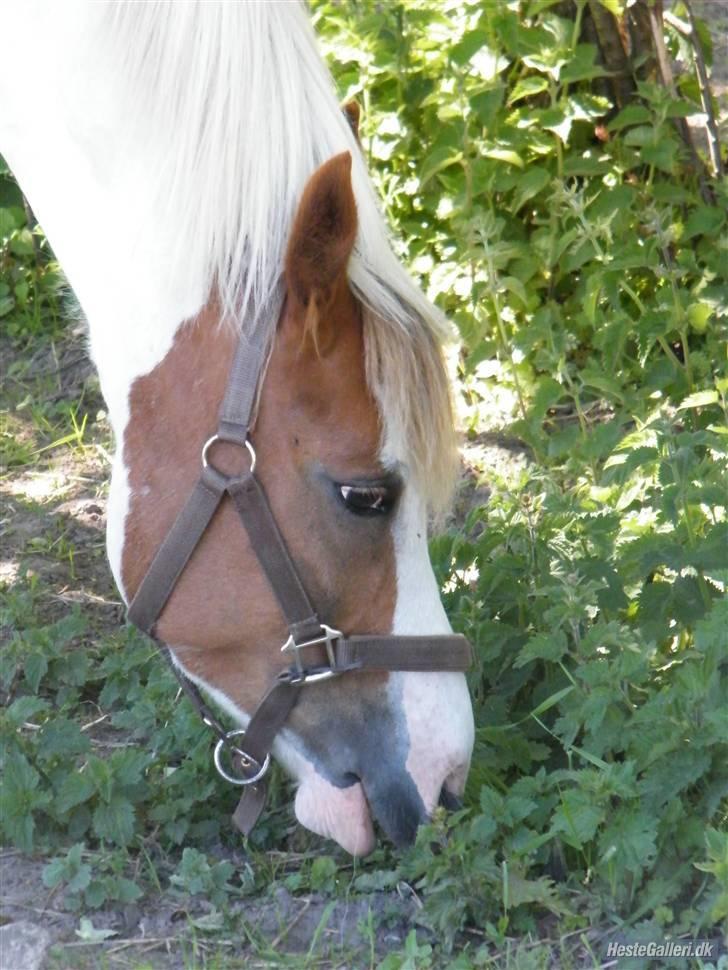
x=245, y=107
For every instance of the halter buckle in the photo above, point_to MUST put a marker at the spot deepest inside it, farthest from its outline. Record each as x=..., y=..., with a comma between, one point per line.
x=301, y=675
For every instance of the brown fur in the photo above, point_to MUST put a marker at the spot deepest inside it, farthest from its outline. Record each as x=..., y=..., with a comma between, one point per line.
x=317, y=420
x=353, y=113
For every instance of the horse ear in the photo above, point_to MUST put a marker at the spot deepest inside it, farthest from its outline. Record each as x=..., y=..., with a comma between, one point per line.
x=323, y=235
x=353, y=114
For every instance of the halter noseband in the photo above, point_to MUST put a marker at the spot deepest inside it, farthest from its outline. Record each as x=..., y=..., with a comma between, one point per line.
x=319, y=651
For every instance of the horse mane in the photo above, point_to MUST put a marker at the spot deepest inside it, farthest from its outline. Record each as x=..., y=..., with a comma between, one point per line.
x=245, y=110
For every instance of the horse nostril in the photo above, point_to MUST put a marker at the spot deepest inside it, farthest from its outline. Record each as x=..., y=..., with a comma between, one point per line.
x=449, y=801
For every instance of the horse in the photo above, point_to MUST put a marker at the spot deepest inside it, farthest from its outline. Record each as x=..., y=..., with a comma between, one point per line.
x=208, y=200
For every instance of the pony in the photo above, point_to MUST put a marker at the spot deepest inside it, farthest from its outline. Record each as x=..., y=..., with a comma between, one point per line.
x=187, y=162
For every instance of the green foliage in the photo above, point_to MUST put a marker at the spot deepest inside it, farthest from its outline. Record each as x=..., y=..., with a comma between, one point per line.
x=414, y=956
x=585, y=266
x=30, y=280
x=60, y=784
x=197, y=877
x=91, y=886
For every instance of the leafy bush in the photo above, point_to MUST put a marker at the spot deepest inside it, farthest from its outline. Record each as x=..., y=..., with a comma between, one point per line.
x=30, y=280
x=154, y=769
x=584, y=261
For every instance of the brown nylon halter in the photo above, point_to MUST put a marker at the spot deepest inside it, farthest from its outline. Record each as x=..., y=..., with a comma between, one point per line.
x=328, y=652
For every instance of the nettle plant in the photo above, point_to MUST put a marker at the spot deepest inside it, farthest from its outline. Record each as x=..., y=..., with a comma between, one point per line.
x=30, y=280
x=582, y=253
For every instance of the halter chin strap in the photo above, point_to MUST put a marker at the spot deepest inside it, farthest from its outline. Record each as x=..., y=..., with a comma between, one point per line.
x=318, y=651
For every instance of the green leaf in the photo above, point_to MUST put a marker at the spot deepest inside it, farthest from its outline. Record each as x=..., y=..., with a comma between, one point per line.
x=68, y=869
x=577, y=818
x=211, y=922
x=25, y=709
x=527, y=87
x=96, y=894
x=487, y=103
x=533, y=181
x=323, y=873
x=633, y=114
x=629, y=839
x=710, y=632
x=615, y=7
x=583, y=66
x=541, y=891
x=503, y=155
x=8, y=222
x=35, y=668
x=699, y=399
x=21, y=243
x=663, y=155
x=602, y=382
x=115, y=821
x=128, y=766
x=61, y=737
x=699, y=314
x=551, y=701
x=543, y=646
x=703, y=221
x=558, y=120
x=126, y=891
x=377, y=881
x=469, y=45
x=101, y=775
x=20, y=797
x=75, y=789
x=88, y=933
x=438, y=160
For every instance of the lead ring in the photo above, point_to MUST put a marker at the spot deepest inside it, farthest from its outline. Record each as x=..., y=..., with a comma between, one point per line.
x=214, y=439
x=231, y=778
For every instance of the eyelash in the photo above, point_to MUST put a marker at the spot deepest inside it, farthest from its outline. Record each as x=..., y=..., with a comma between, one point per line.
x=367, y=500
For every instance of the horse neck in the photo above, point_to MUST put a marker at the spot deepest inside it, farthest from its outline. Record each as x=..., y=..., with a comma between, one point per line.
x=61, y=137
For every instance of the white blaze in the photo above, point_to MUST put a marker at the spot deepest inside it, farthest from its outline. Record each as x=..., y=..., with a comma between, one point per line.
x=437, y=706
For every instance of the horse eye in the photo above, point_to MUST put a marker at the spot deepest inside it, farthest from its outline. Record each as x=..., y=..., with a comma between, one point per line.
x=367, y=499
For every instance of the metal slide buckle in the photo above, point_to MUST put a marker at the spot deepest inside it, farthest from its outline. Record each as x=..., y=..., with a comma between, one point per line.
x=214, y=439
x=245, y=759
x=304, y=676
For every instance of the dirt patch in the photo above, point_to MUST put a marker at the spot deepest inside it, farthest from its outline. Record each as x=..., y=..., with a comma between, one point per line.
x=165, y=933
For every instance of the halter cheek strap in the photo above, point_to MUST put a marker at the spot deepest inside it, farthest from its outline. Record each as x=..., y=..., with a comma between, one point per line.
x=318, y=651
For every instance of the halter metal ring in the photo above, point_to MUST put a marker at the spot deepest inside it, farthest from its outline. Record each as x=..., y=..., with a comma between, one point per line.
x=222, y=743
x=214, y=439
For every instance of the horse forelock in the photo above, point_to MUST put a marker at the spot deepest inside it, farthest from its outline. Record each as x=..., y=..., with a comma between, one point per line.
x=242, y=110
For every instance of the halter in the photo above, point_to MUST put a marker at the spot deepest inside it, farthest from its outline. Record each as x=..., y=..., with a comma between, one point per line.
x=319, y=652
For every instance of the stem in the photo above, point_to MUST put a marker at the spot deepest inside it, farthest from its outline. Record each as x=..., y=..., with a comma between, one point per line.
x=492, y=278
x=654, y=14
x=670, y=266
x=711, y=128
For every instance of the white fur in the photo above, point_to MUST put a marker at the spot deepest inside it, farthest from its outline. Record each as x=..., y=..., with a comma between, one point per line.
x=437, y=706
x=335, y=813
x=164, y=147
